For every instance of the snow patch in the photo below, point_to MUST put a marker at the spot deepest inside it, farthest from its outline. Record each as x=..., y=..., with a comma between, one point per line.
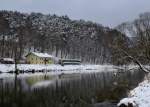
x=139, y=97
x=54, y=67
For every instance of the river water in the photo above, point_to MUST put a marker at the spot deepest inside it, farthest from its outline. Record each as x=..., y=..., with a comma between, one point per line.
x=94, y=89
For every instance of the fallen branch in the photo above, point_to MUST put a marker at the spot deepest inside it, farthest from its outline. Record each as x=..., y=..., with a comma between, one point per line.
x=136, y=61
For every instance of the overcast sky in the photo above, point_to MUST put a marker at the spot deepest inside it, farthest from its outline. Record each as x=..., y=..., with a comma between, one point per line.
x=106, y=12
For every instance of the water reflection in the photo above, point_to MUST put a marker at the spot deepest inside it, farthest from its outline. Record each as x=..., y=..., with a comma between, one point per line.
x=99, y=89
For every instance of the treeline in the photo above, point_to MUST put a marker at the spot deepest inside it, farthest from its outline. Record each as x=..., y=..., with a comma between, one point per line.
x=57, y=35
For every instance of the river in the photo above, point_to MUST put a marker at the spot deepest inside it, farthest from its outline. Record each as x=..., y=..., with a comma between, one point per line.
x=93, y=89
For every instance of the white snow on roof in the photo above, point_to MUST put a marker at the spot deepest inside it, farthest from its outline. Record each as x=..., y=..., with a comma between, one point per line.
x=42, y=55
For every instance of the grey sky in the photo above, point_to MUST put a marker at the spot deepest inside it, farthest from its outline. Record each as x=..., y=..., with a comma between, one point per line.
x=106, y=12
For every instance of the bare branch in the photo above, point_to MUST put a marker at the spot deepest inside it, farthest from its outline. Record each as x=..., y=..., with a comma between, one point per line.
x=135, y=61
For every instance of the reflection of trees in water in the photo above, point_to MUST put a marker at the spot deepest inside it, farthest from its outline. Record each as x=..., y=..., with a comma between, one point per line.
x=80, y=92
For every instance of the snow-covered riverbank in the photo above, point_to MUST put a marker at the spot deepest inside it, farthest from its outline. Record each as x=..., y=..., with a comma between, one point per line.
x=11, y=67
x=138, y=97
x=54, y=69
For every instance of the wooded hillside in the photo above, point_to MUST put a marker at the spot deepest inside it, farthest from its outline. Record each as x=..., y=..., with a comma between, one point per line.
x=57, y=35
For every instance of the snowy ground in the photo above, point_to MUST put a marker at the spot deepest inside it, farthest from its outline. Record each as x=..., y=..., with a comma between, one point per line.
x=58, y=69
x=138, y=97
x=11, y=67
x=54, y=69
